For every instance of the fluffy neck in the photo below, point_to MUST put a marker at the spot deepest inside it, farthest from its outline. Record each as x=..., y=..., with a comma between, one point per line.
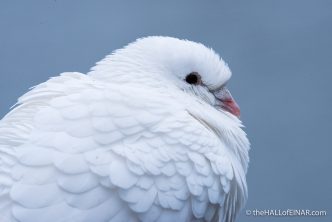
x=229, y=130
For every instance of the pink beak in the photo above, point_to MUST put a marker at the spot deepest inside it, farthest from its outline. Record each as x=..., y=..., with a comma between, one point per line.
x=227, y=102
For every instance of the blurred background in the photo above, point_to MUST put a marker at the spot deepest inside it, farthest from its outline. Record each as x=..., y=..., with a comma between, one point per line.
x=280, y=53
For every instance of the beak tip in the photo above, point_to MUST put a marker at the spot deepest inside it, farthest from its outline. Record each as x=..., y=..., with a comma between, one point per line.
x=238, y=114
x=232, y=107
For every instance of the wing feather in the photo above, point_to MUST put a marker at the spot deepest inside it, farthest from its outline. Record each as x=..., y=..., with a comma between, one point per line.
x=92, y=151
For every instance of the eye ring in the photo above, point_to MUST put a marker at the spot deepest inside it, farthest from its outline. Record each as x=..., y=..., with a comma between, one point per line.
x=193, y=78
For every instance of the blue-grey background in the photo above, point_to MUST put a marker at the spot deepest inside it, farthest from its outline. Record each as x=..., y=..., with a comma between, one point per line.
x=280, y=53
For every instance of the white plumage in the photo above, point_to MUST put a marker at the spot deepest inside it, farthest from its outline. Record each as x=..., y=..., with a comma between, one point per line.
x=133, y=140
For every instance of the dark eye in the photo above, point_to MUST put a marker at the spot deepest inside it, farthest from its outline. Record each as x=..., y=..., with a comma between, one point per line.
x=193, y=78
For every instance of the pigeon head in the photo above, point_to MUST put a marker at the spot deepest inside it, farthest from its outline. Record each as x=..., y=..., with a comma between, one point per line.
x=173, y=63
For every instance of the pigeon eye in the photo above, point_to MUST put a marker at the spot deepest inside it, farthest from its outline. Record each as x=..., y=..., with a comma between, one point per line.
x=193, y=78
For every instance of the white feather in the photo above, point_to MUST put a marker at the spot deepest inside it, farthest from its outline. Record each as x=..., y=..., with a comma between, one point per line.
x=130, y=141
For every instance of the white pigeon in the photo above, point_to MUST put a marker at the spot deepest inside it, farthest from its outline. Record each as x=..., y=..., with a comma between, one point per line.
x=151, y=133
